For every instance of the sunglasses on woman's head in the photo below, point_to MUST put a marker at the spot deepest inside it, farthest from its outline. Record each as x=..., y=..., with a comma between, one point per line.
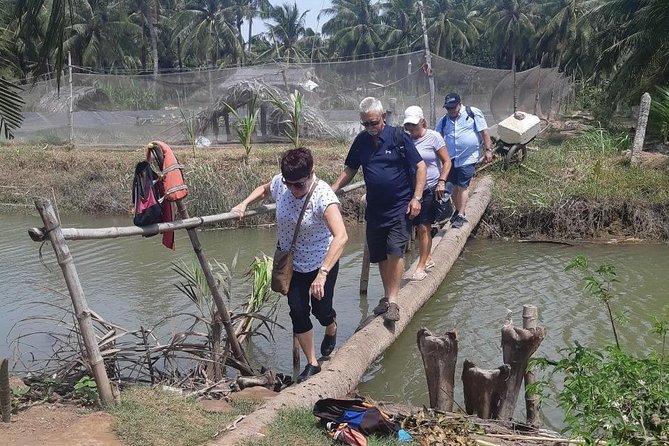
x=294, y=184
x=370, y=123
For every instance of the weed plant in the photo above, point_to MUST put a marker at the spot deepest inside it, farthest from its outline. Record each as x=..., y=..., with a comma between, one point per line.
x=608, y=394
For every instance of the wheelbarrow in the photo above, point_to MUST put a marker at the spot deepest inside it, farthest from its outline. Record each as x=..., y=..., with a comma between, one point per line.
x=511, y=136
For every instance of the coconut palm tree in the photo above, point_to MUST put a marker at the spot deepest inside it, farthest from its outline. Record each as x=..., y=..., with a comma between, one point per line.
x=286, y=32
x=10, y=108
x=403, y=20
x=452, y=26
x=564, y=35
x=355, y=28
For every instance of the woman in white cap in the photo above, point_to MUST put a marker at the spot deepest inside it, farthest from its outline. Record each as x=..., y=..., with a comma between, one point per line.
x=432, y=148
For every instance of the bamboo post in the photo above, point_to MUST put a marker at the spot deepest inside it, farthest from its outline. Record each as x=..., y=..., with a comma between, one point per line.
x=364, y=273
x=236, y=347
x=71, y=114
x=483, y=389
x=428, y=63
x=5, y=392
x=530, y=316
x=82, y=313
x=518, y=345
x=440, y=354
x=640, y=134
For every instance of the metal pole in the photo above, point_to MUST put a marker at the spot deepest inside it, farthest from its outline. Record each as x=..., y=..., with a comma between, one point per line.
x=428, y=63
x=71, y=116
x=82, y=313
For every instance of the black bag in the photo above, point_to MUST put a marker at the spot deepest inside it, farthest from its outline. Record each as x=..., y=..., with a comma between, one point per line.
x=146, y=208
x=360, y=415
x=443, y=209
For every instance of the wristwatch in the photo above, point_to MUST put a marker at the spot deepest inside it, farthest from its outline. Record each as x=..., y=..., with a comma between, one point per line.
x=324, y=270
x=415, y=197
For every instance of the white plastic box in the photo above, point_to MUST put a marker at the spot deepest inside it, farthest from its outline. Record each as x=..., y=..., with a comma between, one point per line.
x=519, y=128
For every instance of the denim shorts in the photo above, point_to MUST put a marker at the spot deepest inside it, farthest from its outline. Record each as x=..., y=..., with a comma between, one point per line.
x=388, y=240
x=461, y=176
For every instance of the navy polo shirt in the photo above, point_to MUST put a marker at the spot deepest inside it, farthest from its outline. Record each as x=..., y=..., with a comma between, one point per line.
x=386, y=173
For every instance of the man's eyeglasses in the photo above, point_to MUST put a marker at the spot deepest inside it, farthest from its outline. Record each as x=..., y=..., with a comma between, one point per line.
x=294, y=184
x=370, y=123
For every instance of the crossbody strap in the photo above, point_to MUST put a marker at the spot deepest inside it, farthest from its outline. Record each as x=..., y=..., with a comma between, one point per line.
x=304, y=208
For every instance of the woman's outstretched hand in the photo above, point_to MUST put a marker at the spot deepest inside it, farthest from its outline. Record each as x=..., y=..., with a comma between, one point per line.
x=240, y=210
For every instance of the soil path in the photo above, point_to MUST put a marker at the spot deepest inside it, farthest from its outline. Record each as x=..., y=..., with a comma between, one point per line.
x=49, y=425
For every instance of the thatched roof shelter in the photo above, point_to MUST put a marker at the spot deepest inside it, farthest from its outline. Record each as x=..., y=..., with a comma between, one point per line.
x=84, y=98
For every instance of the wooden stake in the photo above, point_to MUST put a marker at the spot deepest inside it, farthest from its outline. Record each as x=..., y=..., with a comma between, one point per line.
x=483, y=389
x=236, y=347
x=530, y=316
x=640, y=135
x=440, y=354
x=82, y=313
x=5, y=392
x=364, y=273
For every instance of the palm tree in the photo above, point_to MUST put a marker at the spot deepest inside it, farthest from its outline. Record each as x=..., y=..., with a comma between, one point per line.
x=355, y=28
x=510, y=23
x=452, y=26
x=562, y=37
x=287, y=30
x=402, y=17
x=207, y=28
x=10, y=108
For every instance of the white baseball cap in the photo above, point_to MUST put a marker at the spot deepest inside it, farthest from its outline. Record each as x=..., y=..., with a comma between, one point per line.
x=413, y=115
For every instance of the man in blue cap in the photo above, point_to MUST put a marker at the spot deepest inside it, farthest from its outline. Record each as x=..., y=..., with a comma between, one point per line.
x=464, y=129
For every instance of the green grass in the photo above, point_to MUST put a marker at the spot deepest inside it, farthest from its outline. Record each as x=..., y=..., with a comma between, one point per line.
x=298, y=427
x=151, y=417
x=590, y=167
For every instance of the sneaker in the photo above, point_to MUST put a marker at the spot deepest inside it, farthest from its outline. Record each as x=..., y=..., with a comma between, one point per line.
x=455, y=216
x=393, y=313
x=382, y=307
x=309, y=371
x=458, y=222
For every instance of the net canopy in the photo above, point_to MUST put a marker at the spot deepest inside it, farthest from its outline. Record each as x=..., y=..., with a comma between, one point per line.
x=183, y=107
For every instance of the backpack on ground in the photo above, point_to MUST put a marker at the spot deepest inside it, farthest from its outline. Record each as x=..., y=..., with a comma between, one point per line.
x=357, y=414
x=145, y=196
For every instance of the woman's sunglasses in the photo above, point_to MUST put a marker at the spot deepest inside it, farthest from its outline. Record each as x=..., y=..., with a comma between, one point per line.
x=294, y=184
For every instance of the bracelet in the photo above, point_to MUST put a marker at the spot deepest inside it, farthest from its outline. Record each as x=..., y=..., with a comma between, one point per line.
x=324, y=270
x=417, y=198
x=441, y=181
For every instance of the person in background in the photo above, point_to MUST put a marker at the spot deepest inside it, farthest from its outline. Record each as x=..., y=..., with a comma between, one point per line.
x=320, y=242
x=464, y=129
x=432, y=148
x=392, y=197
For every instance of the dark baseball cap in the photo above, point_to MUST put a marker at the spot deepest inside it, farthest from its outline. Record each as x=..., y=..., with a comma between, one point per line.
x=452, y=100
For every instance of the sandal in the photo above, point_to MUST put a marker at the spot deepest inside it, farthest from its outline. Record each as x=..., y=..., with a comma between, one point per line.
x=430, y=264
x=419, y=275
x=393, y=313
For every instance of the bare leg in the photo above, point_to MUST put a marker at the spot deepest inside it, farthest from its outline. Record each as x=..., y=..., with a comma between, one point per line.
x=391, y=271
x=460, y=198
x=424, y=246
x=306, y=341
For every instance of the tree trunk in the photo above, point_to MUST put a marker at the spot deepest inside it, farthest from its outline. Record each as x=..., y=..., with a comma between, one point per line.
x=640, y=134
x=518, y=345
x=147, y=12
x=483, y=389
x=440, y=354
x=343, y=371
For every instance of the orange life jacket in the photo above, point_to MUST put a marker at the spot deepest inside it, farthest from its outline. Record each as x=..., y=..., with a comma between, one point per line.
x=171, y=172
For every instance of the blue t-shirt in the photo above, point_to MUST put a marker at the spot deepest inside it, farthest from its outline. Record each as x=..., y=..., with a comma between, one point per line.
x=386, y=173
x=462, y=135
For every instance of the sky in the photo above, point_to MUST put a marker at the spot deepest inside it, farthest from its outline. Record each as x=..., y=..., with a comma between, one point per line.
x=311, y=19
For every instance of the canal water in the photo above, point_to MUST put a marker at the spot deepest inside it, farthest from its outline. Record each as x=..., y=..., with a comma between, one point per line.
x=129, y=282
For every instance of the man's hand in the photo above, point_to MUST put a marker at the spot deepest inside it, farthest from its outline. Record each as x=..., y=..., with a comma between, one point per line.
x=414, y=208
x=489, y=154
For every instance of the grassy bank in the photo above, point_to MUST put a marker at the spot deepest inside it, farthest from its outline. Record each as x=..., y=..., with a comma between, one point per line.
x=579, y=188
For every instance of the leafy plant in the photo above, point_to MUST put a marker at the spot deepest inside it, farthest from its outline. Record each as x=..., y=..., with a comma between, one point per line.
x=293, y=108
x=87, y=389
x=246, y=125
x=260, y=273
x=189, y=129
x=598, y=283
x=659, y=112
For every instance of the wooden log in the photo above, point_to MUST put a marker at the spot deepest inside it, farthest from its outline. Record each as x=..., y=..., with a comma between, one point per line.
x=518, y=345
x=483, y=389
x=5, y=392
x=233, y=341
x=530, y=316
x=266, y=380
x=440, y=354
x=341, y=374
x=81, y=311
x=642, y=122
x=39, y=234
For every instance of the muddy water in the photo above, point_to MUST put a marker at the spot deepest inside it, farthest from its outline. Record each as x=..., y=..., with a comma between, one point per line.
x=129, y=282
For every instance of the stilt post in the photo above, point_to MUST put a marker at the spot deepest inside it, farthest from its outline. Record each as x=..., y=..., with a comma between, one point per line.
x=530, y=316
x=82, y=313
x=440, y=354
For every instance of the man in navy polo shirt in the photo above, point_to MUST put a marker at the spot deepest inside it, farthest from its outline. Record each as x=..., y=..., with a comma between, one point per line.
x=463, y=129
x=392, y=197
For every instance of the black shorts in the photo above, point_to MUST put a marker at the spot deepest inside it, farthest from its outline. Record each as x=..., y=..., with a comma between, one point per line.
x=388, y=240
x=427, y=209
